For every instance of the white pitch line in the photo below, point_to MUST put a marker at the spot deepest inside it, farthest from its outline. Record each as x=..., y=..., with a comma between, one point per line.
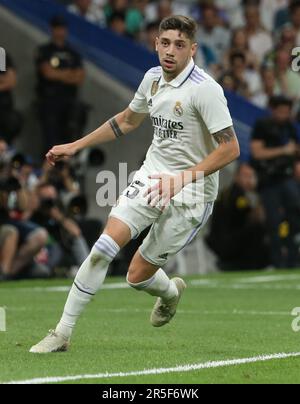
x=243, y=286
x=211, y=284
x=268, y=278
x=182, y=312
x=260, y=313
x=206, y=312
x=65, y=289
x=159, y=371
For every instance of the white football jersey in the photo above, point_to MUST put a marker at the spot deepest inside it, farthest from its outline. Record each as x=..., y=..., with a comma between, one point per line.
x=185, y=113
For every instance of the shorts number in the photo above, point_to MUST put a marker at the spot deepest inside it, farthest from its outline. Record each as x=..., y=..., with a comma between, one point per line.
x=134, y=189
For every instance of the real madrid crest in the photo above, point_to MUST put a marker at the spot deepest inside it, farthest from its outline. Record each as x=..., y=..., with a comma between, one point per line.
x=154, y=88
x=178, y=110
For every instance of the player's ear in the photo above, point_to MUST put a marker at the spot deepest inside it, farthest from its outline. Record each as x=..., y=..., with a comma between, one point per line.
x=194, y=49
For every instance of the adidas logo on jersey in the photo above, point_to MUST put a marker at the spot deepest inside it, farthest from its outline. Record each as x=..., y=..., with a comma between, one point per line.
x=163, y=256
x=150, y=103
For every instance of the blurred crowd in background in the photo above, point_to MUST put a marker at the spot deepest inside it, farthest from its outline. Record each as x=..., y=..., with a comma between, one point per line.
x=247, y=45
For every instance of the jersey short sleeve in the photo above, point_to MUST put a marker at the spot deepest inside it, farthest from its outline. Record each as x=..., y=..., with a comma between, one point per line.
x=139, y=103
x=211, y=103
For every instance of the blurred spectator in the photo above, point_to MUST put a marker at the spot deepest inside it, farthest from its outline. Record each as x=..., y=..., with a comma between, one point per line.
x=228, y=83
x=67, y=245
x=288, y=81
x=60, y=75
x=135, y=18
x=89, y=10
x=157, y=10
x=283, y=15
x=297, y=176
x=115, y=6
x=206, y=58
x=61, y=177
x=211, y=34
x=117, y=23
x=77, y=210
x=274, y=148
x=286, y=38
x=100, y=3
x=237, y=233
x=31, y=237
x=8, y=249
x=10, y=119
x=295, y=18
x=247, y=82
x=23, y=169
x=297, y=172
x=240, y=44
x=260, y=41
x=234, y=79
x=150, y=35
x=126, y=17
x=233, y=12
x=164, y=9
x=262, y=99
x=269, y=10
x=180, y=7
x=5, y=154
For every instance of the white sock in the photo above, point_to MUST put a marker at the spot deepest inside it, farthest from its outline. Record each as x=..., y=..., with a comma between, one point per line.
x=159, y=285
x=88, y=281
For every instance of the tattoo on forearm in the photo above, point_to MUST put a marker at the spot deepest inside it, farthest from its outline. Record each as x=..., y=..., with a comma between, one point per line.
x=115, y=127
x=225, y=136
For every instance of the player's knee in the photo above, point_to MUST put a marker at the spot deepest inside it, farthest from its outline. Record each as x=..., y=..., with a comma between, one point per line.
x=105, y=249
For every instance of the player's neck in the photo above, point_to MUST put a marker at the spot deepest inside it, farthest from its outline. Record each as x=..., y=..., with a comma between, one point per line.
x=169, y=77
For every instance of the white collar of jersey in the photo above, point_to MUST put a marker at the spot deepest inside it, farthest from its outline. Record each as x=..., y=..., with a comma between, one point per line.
x=181, y=78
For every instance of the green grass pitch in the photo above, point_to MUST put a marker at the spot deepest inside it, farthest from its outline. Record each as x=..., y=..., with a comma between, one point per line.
x=221, y=317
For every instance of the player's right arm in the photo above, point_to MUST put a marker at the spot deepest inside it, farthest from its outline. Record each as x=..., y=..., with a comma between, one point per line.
x=122, y=124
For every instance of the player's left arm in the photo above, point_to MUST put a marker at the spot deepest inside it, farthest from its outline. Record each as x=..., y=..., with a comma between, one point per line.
x=227, y=151
x=168, y=185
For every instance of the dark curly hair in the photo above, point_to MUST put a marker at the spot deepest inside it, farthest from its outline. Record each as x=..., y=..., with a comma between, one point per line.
x=181, y=23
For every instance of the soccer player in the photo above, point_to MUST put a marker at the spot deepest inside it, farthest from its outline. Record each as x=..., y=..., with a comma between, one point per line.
x=193, y=139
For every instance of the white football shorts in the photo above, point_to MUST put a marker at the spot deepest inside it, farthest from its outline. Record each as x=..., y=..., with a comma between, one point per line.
x=171, y=229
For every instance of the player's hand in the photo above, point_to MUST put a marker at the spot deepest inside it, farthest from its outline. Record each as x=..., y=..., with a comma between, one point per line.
x=163, y=191
x=58, y=153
